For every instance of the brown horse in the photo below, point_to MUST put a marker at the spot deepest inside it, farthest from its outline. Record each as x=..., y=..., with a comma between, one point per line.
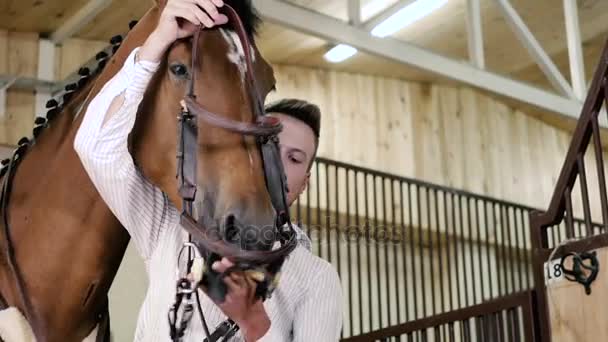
x=67, y=243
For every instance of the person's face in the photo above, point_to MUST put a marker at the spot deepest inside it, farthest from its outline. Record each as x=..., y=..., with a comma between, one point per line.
x=297, y=145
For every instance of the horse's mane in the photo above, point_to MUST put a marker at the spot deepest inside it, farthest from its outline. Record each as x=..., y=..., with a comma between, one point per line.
x=249, y=16
x=73, y=96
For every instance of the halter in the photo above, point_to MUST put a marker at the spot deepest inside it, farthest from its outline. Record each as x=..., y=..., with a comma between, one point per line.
x=207, y=242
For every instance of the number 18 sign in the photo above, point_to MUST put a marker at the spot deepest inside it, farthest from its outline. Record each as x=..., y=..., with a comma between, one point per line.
x=553, y=271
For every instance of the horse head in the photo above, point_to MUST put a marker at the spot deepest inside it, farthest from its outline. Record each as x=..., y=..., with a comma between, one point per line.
x=227, y=165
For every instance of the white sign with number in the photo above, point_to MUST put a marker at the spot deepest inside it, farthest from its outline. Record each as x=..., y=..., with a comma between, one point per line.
x=553, y=271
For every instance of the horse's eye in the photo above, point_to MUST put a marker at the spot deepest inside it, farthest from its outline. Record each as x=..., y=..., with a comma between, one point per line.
x=179, y=70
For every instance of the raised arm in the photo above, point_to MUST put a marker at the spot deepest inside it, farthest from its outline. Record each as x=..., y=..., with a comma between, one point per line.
x=101, y=141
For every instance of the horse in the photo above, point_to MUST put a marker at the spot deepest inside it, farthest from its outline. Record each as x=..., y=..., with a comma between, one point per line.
x=62, y=245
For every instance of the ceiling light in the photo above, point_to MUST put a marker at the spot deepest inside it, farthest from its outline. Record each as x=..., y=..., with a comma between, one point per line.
x=406, y=16
x=340, y=53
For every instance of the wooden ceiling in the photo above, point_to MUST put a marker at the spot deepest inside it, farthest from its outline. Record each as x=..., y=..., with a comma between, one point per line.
x=443, y=32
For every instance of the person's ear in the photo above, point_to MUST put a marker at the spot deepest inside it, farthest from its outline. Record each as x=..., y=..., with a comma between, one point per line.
x=305, y=184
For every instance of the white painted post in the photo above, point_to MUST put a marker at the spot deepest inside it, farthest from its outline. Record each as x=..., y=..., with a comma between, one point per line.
x=354, y=12
x=575, y=49
x=46, y=72
x=475, y=34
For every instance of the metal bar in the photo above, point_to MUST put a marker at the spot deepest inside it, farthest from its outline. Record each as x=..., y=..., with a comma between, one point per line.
x=534, y=48
x=520, y=271
x=510, y=325
x=488, y=249
x=503, y=248
x=332, y=29
x=480, y=270
x=359, y=276
x=569, y=213
x=377, y=250
x=412, y=253
x=447, y=252
x=403, y=250
x=479, y=328
x=394, y=242
x=430, y=239
x=516, y=325
x=585, y=194
x=318, y=223
x=499, y=323
x=475, y=34
x=455, y=235
x=465, y=288
x=498, y=249
x=471, y=254
x=309, y=210
x=328, y=214
x=528, y=255
x=510, y=244
x=599, y=157
x=349, y=258
x=337, y=215
x=369, y=268
x=385, y=246
x=439, y=253
x=575, y=49
x=421, y=250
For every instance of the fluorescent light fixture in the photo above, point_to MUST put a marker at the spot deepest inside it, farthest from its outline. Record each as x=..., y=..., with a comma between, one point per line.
x=340, y=53
x=406, y=16
x=372, y=8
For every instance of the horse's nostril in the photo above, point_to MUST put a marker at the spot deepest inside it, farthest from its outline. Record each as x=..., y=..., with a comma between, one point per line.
x=231, y=231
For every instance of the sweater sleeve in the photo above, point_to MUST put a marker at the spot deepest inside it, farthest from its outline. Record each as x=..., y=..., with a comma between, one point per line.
x=102, y=146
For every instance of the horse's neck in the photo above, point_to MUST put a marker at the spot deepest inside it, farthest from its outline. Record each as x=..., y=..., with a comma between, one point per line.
x=67, y=242
x=66, y=239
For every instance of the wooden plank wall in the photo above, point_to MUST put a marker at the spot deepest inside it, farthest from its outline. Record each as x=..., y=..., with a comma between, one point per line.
x=453, y=136
x=19, y=57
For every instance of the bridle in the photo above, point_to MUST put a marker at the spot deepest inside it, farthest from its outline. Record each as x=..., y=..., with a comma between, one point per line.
x=208, y=242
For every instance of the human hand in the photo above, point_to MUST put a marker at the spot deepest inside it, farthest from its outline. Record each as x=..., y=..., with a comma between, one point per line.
x=180, y=19
x=240, y=303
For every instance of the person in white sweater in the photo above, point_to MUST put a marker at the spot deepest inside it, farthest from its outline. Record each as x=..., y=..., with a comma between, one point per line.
x=306, y=305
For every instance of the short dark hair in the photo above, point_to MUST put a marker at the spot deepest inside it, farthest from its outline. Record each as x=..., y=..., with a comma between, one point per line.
x=304, y=111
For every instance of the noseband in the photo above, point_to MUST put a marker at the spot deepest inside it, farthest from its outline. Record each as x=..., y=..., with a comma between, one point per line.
x=265, y=130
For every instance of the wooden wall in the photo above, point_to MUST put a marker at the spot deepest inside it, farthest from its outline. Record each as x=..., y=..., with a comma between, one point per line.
x=453, y=136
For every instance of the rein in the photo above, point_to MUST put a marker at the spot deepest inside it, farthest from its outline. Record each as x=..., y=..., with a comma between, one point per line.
x=207, y=241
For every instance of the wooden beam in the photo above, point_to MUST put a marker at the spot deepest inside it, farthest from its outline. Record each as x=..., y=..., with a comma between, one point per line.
x=354, y=12
x=475, y=34
x=575, y=49
x=534, y=48
x=79, y=20
x=331, y=29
